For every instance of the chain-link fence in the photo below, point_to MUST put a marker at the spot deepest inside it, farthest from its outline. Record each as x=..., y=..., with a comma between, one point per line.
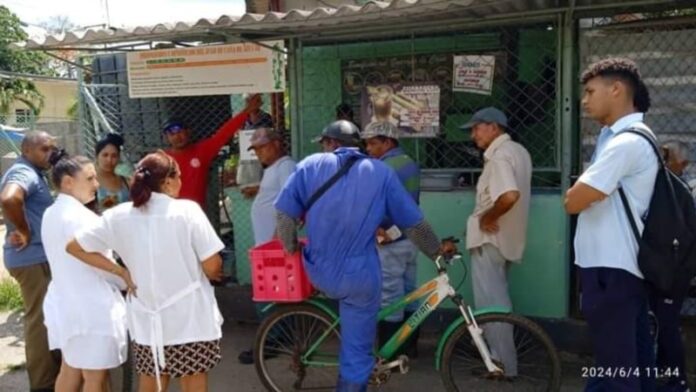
x=10, y=146
x=106, y=107
x=64, y=129
x=431, y=84
x=664, y=47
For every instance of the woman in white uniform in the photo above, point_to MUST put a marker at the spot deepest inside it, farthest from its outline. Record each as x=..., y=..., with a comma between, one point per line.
x=171, y=251
x=84, y=311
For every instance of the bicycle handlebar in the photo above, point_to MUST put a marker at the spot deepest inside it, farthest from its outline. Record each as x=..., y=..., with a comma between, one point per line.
x=439, y=259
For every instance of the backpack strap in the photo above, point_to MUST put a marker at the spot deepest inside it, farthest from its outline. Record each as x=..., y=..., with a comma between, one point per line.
x=640, y=131
x=629, y=214
x=331, y=181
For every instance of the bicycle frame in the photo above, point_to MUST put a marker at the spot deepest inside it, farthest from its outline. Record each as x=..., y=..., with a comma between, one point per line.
x=435, y=292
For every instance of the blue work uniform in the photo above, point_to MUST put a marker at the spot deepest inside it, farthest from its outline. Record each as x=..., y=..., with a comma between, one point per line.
x=341, y=257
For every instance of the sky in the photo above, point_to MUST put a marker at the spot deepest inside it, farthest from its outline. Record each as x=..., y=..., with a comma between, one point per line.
x=123, y=13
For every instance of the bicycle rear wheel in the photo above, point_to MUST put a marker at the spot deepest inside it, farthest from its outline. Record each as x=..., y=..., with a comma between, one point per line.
x=538, y=365
x=281, y=341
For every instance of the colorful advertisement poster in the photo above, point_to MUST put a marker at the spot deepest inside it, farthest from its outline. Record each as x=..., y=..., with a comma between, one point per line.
x=414, y=108
x=207, y=70
x=473, y=74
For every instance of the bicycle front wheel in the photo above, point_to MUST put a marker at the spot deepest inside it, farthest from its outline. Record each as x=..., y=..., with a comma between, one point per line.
x=517, y=345
x=285, y=337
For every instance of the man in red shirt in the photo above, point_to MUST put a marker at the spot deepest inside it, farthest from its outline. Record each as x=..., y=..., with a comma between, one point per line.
x=194, y=159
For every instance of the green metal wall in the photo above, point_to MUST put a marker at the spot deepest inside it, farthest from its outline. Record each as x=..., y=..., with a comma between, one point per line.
x=538, y=286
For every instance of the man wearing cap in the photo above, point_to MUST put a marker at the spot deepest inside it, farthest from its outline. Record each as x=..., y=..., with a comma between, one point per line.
x=341, y=256
x=267, y=143
x=195, y=159
x=496, y=230
x=398, y=255
x=249, y=172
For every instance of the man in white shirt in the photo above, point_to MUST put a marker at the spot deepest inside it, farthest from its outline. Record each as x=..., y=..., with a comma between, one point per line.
x=267, y=143
x=497, y=229
x=614, y=296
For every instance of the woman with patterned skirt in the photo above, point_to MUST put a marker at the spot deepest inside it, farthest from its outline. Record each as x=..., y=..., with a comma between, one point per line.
x=171, y=251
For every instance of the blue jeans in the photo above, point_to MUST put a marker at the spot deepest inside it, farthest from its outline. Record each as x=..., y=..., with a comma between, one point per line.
x=399, y=270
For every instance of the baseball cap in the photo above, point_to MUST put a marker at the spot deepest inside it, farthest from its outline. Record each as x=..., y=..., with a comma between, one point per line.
x=486, y=115
x=380, y=128
x=173, y=126
x=342, y=130
x=263, y=136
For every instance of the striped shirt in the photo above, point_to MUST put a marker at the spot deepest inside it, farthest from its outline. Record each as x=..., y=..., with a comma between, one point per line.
x=408, y=172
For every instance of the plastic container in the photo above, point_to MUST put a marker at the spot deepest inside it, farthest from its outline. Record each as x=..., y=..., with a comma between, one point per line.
x=277, y=277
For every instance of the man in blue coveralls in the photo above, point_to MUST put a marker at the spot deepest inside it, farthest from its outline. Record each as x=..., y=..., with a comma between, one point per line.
x=341, y=257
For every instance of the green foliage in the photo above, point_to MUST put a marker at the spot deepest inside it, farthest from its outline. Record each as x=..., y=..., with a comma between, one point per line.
x=16, y=60
x=22, y=90
x=10, y=295
x=73, y=110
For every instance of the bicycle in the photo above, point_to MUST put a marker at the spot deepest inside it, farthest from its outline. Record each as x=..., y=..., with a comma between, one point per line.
x=297, y=345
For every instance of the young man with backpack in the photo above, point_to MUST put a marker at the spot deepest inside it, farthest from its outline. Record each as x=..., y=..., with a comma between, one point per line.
x=614, y=294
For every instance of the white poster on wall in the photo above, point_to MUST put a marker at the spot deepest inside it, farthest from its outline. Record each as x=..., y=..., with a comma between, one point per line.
x=207, y=70
x=473, y=74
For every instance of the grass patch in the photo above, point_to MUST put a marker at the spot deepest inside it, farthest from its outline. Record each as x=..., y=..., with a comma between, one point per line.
x=10, y=295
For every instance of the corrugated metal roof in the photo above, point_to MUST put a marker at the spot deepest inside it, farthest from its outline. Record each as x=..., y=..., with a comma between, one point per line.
x=324, y=20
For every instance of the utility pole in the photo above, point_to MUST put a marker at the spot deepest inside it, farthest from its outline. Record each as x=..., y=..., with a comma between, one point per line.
x=106, y=12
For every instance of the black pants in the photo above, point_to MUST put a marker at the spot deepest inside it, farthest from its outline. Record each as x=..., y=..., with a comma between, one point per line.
x=670, y=348
x=615, y=304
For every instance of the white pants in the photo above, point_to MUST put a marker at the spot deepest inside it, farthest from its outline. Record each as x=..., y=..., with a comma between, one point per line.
x=489, y=275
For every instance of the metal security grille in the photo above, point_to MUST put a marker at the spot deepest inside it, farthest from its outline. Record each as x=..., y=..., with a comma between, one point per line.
x=664, y=47
x=524, y=62
x=106, y=107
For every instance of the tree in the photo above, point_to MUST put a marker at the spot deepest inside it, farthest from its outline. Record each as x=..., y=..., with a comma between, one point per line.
x=58, y=24
x=14, y=60
x=61, y=24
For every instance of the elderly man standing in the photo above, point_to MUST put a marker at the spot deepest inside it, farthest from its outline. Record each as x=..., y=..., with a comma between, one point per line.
x=25, y=196
x=268, y=145
x=397, y=254
x=497, y=229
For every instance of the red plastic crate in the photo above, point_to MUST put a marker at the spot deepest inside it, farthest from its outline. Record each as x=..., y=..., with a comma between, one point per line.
x=277, y=277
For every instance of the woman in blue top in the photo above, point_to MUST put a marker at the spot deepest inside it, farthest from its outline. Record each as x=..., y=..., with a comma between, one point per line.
x=113, y=189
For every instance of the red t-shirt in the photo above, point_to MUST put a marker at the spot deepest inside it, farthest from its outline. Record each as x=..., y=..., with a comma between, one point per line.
x=195, y=160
